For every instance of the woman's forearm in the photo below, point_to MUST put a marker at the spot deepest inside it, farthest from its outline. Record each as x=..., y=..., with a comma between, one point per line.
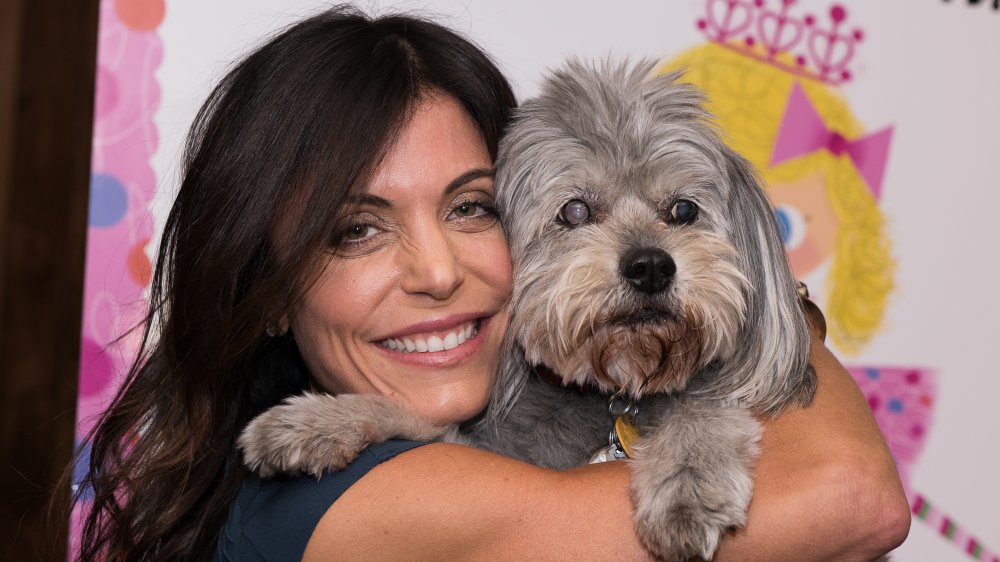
x=826, y=487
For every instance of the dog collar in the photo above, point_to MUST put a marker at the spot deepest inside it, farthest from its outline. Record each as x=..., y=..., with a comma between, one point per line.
x=547, y=375
x=624, y=433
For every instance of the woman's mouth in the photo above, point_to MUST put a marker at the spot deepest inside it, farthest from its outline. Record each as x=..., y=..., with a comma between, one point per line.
x=434, y=341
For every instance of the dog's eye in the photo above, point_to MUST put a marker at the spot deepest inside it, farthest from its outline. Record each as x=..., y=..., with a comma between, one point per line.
x=574, y=213
x=683, y=212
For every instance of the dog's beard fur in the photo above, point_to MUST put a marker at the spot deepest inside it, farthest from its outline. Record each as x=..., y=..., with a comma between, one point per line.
x=577, y=316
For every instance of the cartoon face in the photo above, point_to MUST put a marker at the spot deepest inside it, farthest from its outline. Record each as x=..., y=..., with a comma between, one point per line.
x=807, y=221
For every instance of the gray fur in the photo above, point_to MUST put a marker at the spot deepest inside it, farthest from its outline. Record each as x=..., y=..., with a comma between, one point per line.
x=694, y=463
x=725, y=340
x=313, y=432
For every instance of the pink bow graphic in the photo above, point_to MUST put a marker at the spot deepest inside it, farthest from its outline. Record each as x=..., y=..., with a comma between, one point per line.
x=802, y=131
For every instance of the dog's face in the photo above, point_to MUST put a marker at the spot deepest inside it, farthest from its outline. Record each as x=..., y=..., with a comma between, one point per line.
x=636, y=234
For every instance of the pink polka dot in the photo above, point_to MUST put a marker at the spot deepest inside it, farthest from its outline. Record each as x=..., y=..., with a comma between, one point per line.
x=96, y=368
x=107, y=93
x=873, y=402
x=913, y=377
x=838, y=13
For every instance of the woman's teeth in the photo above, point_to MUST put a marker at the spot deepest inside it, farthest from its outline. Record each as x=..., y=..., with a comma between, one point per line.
x=425, y=344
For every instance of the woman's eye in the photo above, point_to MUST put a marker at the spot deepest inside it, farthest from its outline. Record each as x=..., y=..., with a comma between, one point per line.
x=469, y=210
x=683, y=212
x=574, y=213
x=359, y=232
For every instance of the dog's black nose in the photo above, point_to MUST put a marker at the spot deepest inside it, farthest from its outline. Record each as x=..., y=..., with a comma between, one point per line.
x=648, y=269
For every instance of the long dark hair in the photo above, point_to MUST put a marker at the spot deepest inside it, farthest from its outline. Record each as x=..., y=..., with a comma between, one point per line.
x=281, y=142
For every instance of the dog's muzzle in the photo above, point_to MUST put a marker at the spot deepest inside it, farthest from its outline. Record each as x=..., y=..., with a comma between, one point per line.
x=648, y=270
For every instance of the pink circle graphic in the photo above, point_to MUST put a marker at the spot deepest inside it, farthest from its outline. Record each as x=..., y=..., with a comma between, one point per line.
x=106, y=93
x=96, y=368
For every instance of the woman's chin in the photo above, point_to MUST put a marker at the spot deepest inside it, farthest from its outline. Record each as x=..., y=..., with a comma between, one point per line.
x=453, y=410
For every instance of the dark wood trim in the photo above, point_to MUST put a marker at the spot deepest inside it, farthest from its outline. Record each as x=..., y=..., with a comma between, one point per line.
x=48, y=52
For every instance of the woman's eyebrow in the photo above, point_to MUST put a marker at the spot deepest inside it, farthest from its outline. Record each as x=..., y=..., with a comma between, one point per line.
x=369, y=199
x=465, y=178
x=376, y=201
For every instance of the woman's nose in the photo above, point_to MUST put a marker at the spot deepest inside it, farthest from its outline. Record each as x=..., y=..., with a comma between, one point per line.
x=432, y=265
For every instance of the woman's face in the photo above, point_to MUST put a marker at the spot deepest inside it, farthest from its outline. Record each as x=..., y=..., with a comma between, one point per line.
x=411, y=302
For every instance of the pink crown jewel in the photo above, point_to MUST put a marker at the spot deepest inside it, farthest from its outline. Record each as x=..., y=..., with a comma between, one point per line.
x=757, y=30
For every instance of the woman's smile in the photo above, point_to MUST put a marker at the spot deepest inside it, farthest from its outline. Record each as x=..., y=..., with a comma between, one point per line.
x=422, y=344
x=433, y=342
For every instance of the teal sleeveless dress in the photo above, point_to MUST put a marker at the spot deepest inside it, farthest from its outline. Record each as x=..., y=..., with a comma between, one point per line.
x=272, y=519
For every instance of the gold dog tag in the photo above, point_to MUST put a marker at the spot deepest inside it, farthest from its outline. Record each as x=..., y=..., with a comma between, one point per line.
x=628, y=434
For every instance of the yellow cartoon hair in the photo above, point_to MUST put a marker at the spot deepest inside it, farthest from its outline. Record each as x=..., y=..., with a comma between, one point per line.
x=748, y=98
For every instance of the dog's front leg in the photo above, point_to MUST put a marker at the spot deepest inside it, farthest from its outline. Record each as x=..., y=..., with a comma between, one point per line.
x=316, y=432
x=691, y=478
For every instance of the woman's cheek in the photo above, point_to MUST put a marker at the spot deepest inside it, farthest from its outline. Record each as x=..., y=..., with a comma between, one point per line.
x=497, y=259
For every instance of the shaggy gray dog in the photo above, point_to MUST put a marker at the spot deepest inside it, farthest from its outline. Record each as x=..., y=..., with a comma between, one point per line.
x=648, y=271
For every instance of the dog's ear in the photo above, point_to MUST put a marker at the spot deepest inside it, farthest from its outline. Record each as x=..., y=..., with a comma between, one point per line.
x=770, y=367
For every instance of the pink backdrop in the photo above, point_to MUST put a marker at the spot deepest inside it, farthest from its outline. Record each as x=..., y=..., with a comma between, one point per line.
x=120, y=225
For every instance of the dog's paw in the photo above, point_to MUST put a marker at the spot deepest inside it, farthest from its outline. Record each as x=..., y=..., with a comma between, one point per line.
x=309, y=433
x=683, y=531
x=692, y=480
x=316, y=432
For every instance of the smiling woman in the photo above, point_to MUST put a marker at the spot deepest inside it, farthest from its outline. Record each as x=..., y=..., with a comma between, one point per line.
x=336, y=196
x=335, y=230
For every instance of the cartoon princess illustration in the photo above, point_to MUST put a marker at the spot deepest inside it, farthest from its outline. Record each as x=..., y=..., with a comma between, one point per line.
x=824, y=173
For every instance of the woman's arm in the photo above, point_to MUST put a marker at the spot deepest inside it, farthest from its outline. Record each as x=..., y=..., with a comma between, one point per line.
x=825, y=489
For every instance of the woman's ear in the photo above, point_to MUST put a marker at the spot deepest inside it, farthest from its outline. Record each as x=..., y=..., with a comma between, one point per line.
x=278, y=328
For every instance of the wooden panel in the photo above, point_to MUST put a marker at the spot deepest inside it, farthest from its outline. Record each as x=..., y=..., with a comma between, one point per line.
x=47, y=59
